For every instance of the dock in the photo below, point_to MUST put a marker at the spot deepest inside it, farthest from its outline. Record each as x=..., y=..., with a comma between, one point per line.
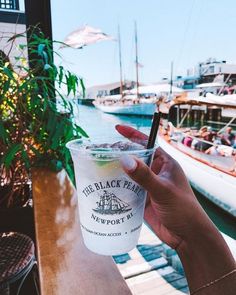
x=152, y=267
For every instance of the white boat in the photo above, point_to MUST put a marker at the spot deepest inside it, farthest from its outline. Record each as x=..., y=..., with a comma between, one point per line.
x=145, y=108
x=145, y=105
x=212, y=175
x=141, y=101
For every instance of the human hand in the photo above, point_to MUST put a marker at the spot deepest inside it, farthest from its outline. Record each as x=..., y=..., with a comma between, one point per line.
x=177, y=218
x=172, y=209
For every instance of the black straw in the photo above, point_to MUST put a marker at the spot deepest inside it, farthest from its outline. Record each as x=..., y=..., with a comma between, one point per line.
x=154, y=130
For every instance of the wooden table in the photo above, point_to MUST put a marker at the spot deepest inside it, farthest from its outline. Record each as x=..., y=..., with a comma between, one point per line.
x=66, y=267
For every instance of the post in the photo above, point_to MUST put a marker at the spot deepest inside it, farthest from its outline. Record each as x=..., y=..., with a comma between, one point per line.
x=178, y=115
x=171, y=77
x=38, y=13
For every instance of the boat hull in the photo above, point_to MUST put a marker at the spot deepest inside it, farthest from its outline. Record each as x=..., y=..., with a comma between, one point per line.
x=86, y=101
x=216, y=185
x=141, y=109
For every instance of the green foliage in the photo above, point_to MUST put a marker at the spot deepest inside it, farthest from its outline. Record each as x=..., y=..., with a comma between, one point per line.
x=33, y=132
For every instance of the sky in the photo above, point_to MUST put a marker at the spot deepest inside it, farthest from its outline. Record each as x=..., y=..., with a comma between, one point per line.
x=185, y=32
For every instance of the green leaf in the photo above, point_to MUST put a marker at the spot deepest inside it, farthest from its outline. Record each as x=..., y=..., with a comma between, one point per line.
x=10, y=154
x=61, y=74
x=22, y=46
x=9, y=73
x=47, y=67
x=81, y=131
x=82, y=86
x=15, y=36
x=3, y=133
x=41, y=49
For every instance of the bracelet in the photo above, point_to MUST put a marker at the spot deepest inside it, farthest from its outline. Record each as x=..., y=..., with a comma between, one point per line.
x=213, y=282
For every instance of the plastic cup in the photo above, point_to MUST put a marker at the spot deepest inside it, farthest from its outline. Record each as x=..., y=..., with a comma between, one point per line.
x=111, y=205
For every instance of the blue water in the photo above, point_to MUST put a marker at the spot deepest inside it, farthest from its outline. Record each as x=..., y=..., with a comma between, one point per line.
x=97, y=123
x=100, y=125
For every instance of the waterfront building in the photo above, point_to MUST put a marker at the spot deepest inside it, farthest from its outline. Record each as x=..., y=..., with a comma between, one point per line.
x=12, y=21
x=210, y=71
x=109, y=89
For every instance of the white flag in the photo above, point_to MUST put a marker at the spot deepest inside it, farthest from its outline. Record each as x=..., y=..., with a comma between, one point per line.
x=84, y=36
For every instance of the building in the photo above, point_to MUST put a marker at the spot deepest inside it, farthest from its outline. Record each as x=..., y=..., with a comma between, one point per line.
x=12, y=21
x=108, y=89
x=209, y=71
x=187, y=82
x=220, y=71
x=213, y=70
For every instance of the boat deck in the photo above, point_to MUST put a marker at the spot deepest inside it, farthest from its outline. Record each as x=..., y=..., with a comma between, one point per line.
x=152, y=267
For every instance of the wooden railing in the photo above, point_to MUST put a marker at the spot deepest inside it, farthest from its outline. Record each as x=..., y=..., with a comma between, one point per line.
x=66, y=267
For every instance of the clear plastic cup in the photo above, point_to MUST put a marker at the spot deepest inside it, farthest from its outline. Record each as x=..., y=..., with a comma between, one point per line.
x=111, y=205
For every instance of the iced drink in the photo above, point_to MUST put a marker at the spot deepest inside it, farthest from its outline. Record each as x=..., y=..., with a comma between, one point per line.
x=111, y=205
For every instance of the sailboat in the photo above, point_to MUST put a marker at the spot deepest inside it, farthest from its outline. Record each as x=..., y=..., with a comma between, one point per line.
x=109, y=204
x=127, y=104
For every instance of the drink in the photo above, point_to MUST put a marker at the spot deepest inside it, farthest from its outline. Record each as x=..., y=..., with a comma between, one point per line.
x=111, y=205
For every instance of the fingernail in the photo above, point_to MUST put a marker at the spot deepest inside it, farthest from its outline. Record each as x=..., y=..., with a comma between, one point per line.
x=128, y=163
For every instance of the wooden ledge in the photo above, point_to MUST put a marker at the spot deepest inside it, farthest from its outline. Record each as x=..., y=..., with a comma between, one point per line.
x=65, y=265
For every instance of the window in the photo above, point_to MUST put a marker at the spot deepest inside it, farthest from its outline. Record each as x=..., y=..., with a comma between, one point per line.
x=9, y=4
x=211, y=70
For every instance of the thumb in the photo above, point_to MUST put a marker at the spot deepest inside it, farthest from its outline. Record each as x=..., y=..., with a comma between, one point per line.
x=141, y=173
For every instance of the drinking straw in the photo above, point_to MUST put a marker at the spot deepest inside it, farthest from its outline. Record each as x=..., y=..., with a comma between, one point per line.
x=154, y=130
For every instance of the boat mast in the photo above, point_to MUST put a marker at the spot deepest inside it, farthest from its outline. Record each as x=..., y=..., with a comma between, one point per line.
x=120, y=62
x=136, y=59
x=171, y=78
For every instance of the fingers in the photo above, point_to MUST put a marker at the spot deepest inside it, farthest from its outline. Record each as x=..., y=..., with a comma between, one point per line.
x=140, y=173
x=163, y=164
x=132, y=134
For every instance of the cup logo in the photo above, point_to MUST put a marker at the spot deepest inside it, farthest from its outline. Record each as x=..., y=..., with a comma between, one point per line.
x=110, y=204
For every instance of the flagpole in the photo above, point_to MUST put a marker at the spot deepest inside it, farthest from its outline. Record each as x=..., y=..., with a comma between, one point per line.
x=120, y=62
x=136, y=60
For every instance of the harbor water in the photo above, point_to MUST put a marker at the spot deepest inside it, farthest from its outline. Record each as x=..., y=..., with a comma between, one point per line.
x=100, y=125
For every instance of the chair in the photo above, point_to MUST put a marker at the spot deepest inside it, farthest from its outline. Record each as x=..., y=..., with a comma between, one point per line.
x=17, y=260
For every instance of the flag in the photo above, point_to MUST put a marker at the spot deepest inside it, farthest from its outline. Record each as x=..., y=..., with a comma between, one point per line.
x=84, y=36
x=140, y=65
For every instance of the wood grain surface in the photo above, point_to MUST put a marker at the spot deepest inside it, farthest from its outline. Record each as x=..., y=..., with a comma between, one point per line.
x=66, y=267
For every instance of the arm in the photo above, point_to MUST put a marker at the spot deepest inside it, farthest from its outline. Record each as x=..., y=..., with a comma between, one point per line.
x=175, y=215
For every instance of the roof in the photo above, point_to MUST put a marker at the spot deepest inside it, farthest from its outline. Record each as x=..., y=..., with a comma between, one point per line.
x=110, y=86
x=188, y=78
x=225, y=101
x=157, y=89
x=208, y=85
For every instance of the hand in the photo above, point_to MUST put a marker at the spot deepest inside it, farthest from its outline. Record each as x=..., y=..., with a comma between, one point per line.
x=172, y=209
x=177, y=218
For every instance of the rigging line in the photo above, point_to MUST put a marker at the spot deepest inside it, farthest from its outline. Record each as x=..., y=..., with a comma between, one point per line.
x=131, y=62
x=185, y=35
x=227, y=125
x=136, y=59
x=120, y=62
x=226, y=81
x=114, y=60
x=195, y=33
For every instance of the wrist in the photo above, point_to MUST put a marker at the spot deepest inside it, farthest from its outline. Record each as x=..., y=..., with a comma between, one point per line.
x=205, y=256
